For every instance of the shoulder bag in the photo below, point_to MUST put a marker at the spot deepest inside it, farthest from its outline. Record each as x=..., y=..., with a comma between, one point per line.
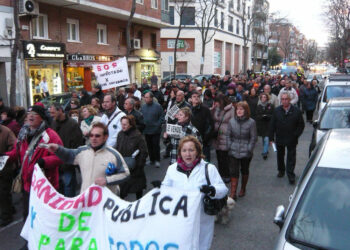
x=212, y=206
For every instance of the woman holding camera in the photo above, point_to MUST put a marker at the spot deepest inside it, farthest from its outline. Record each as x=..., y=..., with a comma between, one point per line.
x=189, y=173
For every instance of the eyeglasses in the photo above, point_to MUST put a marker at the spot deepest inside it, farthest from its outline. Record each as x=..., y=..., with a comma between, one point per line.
x=95, y=135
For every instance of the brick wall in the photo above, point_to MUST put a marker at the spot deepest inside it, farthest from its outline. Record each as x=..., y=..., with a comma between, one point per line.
x=5, y=3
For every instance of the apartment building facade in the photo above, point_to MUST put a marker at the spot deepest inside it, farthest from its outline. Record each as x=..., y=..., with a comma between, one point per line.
x=64, y=38
x=224, y=52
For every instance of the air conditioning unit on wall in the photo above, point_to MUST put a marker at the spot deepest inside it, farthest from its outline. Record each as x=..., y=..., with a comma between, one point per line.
x=28, y=7
x=136, y=43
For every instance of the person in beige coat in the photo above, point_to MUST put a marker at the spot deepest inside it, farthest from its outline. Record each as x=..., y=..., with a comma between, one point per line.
x=89, y=115
x=99, y=163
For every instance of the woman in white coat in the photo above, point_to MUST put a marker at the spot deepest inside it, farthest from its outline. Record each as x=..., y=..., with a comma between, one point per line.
x=189, y=173
x=89, y=114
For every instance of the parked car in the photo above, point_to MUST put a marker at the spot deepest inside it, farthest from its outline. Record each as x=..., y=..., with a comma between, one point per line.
x=63, y=99
x=335, y=86
x=319, y=77
x=181, y=77
x=200, y=77
x=318, y=212
x=336, y=114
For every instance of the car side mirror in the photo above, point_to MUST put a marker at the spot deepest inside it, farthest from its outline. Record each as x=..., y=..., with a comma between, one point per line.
x=315, y=123
x=279, y=216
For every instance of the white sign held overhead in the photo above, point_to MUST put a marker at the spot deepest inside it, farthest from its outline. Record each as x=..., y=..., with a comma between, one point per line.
x=172, y=112
x=3, y=160
x=112, y=74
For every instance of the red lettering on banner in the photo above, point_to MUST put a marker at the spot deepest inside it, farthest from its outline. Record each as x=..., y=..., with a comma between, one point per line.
x=39, y=184
x=106, y=67
x=66, y=204
x=92, y=202
x=48, y=196
x=80, y=199
x=54, y=203
x=114, y=64
x=99, y=68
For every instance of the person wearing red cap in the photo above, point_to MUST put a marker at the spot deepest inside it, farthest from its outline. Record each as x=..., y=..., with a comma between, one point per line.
x=28, y=153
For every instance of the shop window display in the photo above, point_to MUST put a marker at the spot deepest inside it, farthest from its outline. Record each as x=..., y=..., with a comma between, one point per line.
x=75, y=78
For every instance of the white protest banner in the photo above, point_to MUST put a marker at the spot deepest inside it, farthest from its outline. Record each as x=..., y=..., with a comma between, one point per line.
x=112, y=74
x=172, y=112
x=174, y=130
x=3, y=160
x=165, y=218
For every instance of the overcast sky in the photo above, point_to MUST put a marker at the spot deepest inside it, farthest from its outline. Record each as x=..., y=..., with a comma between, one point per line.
x=306, y=15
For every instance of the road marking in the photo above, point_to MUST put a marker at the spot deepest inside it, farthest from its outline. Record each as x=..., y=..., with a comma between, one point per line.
x=10, y=225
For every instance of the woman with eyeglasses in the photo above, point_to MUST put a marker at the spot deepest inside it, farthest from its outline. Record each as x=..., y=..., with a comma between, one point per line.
x=128, y=142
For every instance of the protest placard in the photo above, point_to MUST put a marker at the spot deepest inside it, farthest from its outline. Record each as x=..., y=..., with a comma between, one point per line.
x=112, y=74
x=3, y=160
x=174, y=130
x=165, y=218
x=172, y=112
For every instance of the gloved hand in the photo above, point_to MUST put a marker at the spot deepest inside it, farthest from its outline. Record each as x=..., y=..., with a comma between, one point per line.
x=156, y=183
x=209, y=190
x=111, y=169
x=41, y=163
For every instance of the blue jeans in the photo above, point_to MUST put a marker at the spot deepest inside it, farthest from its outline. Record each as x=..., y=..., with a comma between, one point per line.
x=265, y=141
x=69, y=182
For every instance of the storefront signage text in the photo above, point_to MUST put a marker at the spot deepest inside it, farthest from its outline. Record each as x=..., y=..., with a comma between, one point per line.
x=84, y=57
x=33, y=49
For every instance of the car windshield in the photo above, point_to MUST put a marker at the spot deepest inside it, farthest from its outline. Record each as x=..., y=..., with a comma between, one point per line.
x=321, y=217
x=336, y=91
x=335, y=117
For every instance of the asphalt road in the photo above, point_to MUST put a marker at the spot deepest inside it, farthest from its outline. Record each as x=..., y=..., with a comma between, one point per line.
x=250, y=225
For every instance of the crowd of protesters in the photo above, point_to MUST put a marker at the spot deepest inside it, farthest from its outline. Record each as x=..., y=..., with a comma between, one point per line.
x=224, y=114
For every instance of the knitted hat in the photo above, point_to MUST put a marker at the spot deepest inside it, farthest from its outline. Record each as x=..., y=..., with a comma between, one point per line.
x=39, y=110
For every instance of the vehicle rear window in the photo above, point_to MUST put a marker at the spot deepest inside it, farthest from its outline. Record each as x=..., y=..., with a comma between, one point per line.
x=336, y=91
x=335, y=117
x=322, y=217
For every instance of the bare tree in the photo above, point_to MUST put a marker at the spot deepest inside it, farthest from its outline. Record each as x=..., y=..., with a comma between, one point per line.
x=128, y=28
x=310, y=52
x=286, y=43
x=206, y=13
x=338, y=19
x=247, y=20
x=14, y=54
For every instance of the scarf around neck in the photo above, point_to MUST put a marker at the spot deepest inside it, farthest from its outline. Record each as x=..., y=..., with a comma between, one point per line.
x=89, y=120
x=187, y=167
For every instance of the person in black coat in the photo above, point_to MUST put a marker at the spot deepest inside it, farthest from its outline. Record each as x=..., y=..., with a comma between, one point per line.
x=287, y=124
x=203, y=121
x=85, y=98
x=264, y=113
x=129, y=140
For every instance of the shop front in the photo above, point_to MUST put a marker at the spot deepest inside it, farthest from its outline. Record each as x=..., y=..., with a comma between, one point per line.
x=43, y=68
x=78, y=70
x=149, y=63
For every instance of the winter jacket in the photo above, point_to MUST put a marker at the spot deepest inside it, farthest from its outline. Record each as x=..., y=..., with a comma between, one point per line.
x=220, y=142
x=69, y=132
x=253, y=103
x=202, y=120
x=273, y=100
x=114, y=126
x=52, y=162
x=86, y=128
x=159, y=96
x=7, y=143
x=242, y=137
x=93, y=164
x=140, y=124
x=286, y=126
x=263, y=118
x=153, y=117
x=178, y=179
x=128, y=143
x=293, y=94
x=310, y=97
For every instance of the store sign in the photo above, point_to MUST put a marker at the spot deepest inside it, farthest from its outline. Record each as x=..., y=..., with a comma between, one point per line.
x=84, y=57
x=113, y=74
x=180, y=44
x=34, y=49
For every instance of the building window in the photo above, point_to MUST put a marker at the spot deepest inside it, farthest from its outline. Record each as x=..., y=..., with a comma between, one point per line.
x=222, y=20
x=238, y=5
x=139, y=1
x=230, y=5
x=40, y=27
x=248, y=12
x=122, y=37
x=216, y=22
x=140, y=36
x=154, y=4
x=165, y=5
x=101, y=34
x=73, y=30
x=154, y=41
x=237, y=27
x=188, y=16
x=230, y=23
x=171, y=15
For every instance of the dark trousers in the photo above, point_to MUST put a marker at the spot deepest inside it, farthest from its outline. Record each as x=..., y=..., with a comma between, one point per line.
x=239, y=164
x=153, y=145
x=223, y=160
x=291, y=158
x=206, y=152
x=309, y=115
x=68, y=182
x=25, y=202
x=6, y=197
